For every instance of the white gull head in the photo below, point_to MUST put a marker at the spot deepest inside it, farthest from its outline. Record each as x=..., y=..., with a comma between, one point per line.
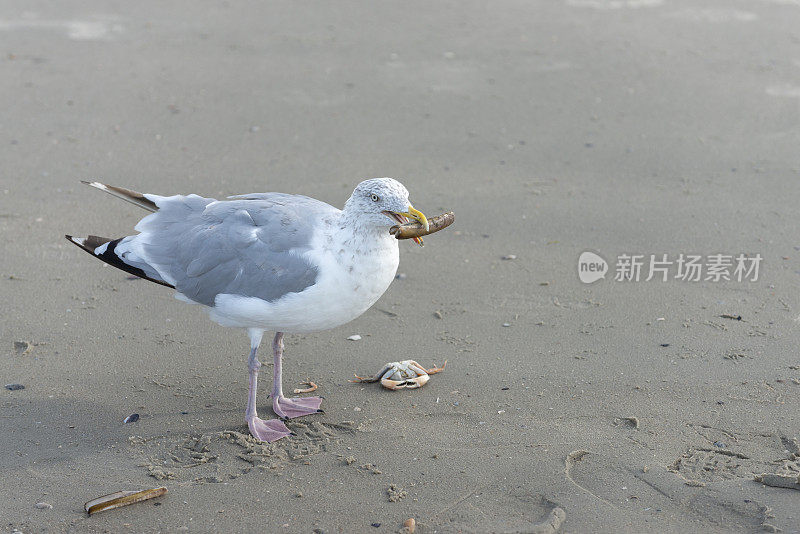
x=380, y=203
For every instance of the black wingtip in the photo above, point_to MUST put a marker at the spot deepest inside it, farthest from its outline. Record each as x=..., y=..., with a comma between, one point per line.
x=90, y=244
x=74, y=240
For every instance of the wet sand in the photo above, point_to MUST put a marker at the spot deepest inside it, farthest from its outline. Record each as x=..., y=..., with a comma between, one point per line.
x=550, y=128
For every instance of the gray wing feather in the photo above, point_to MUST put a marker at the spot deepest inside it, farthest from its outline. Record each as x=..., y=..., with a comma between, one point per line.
x=252, y=246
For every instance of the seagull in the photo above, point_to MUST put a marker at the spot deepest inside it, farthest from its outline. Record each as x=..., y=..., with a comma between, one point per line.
x=266, y=262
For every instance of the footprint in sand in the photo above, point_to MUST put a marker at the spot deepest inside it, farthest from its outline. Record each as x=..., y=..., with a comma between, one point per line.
x=513, y=511
x=628, y=489
x=227, y=455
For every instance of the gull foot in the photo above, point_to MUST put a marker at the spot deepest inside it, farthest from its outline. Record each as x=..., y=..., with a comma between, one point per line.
x=268, y=431
x=289, y=408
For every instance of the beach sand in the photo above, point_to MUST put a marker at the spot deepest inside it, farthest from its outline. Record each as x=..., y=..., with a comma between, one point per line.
x=550, y=128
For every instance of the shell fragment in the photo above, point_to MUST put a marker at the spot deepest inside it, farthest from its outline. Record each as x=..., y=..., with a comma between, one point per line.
x=415, y=229
x=121, y=498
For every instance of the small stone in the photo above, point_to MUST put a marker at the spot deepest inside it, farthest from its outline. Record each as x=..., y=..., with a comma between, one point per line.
x=132, y=418
x=354, y=337
x=43, y=505
x=401, y=276
x=506, y=325
x=720, y=444
x=376, y=525
x=357, y=409
x=437, y=314
x=509, y=257
x=14, y=387
x=299, y=494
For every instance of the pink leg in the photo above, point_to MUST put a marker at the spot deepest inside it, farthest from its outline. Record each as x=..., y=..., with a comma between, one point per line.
x=272, y=429
x=288, y=408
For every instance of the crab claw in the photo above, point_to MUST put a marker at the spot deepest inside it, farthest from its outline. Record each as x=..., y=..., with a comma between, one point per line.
x=393, y=384
x=417, y=382
x=411, y=383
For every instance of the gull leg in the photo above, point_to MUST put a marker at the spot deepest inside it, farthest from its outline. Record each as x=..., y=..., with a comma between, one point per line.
x=272, y=429
x=288, y=408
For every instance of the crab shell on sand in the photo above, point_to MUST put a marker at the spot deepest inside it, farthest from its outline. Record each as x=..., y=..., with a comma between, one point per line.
x=406, y=374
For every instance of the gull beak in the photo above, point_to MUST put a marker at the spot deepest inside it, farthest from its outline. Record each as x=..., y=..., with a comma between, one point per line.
x=417, y=215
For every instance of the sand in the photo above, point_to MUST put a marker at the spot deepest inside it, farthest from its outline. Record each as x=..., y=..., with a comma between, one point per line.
x=550, y=128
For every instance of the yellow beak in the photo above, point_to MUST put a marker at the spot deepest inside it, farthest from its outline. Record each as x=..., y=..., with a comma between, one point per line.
x=417, y=215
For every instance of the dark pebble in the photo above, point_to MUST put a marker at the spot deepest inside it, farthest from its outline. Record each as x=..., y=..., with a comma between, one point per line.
x=184, y=413
x=132, y=418
x=504, y=389
x=376, y=525
x=665, y=344
x=719, y=444
x=14, y=387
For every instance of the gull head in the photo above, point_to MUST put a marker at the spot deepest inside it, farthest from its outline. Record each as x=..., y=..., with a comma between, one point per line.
x=383, y=202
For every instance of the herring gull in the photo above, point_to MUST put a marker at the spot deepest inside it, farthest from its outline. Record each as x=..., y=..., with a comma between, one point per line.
x=267, y=262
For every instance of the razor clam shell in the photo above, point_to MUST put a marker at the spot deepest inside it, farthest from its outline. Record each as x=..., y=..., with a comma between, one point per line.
x=122, y=498
x=415, y=229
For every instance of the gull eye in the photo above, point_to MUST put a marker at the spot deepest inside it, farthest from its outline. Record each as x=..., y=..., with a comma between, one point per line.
x=375, y=198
